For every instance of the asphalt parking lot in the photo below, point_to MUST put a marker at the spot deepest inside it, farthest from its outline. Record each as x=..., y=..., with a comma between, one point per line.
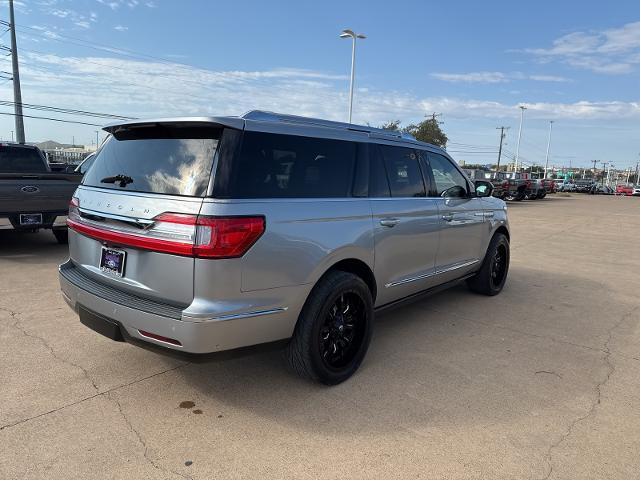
x=539, y=382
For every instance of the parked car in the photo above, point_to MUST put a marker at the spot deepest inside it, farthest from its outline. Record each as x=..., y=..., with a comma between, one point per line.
x=535, y=189
x=568, y=187
x=624, y=190
x=636, y=190
x=583, y=186
x=510, y=188
x=549, y=185
x=299, y=231
x=31, y=196
x=597, y=189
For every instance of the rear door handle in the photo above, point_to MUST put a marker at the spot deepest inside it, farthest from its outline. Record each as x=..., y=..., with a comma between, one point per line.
x=447, y=217
x=389, y=222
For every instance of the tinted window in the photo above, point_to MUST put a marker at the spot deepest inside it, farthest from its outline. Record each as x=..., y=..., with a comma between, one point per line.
x=168, y=160
x=403, y=171
x=361, y=176
x=378, y=183
x=288, y=166
x=21, y=160
x=446, y=176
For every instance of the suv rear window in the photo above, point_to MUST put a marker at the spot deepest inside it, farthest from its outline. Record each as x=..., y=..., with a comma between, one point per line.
x=171, y=160
x=287, y=166
x=21, y=160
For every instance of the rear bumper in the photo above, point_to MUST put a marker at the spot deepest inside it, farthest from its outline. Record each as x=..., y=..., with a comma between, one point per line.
x=134, y=315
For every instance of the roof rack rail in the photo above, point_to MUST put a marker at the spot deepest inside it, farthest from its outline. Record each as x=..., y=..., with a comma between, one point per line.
x=265, y=116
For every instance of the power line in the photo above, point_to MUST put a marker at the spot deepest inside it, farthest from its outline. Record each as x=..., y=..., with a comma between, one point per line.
x=469, y=145
x=68, y=111
x=53, y=119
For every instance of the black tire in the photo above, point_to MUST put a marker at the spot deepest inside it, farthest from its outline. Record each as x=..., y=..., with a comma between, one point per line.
x=320, y=348
x=62, y=236
x=492, y=276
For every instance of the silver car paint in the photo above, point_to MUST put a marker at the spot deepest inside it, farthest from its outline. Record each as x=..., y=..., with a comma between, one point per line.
x=410, y=244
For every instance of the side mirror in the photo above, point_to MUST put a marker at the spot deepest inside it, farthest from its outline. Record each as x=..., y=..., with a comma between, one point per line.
x=483, y=188
x=454, y=192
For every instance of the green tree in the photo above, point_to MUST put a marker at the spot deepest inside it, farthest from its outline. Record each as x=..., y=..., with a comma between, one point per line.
x=393, y=125
x=428, y=131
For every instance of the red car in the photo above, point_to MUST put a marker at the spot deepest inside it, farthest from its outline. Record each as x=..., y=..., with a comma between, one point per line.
x=624, y=190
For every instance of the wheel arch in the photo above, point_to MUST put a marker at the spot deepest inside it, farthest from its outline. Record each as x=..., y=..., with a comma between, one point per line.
x=356, y=267
x=504, y=230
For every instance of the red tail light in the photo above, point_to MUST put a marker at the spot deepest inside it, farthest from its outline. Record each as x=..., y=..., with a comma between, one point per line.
x=226, y=237
x=184, y=234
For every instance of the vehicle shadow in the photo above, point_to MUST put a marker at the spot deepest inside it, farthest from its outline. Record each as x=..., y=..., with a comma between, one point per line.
x=31, y=247
x=450, y=359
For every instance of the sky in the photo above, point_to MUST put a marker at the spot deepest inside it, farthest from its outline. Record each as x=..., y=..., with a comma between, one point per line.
x=576, y=63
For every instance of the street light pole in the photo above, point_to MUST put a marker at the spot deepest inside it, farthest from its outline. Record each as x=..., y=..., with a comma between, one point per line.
x=354, y=36
x=522, y=109
x=546, y=165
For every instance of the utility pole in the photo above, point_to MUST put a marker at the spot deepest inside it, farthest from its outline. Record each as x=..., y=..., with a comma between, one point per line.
x=546, y=163
x=594, y=167
x=97, y=139
x=17, y=95
x=522, y=109
x=502, y=136
x=637, y=181
x=604, y=168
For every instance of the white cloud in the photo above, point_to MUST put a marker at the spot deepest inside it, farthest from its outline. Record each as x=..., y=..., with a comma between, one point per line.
x=121, y=28
x=76, y=18
x=548, y=78
x=612, y=51
x=495, y=77
x=143, y=89
x=473, y=77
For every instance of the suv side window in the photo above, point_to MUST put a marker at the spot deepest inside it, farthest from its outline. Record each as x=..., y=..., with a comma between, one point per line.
x=378, y=183
x=448, y=179
x=288, y=166
x=403, y=171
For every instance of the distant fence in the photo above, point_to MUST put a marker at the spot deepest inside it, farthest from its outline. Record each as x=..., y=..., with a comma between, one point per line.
x=60, y=156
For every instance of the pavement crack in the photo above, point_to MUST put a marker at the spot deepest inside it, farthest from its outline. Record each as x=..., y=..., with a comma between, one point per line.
x=99, y=394
x=18, y=326
x=142, y=441
x=598, y=397
x=549, y=372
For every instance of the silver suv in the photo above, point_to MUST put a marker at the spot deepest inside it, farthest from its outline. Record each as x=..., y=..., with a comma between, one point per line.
x=209, y=234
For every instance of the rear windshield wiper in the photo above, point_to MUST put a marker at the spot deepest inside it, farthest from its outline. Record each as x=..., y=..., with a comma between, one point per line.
x=123, y=180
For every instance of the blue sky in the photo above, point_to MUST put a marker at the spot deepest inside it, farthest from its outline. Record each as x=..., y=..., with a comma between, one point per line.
x=574, y=62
